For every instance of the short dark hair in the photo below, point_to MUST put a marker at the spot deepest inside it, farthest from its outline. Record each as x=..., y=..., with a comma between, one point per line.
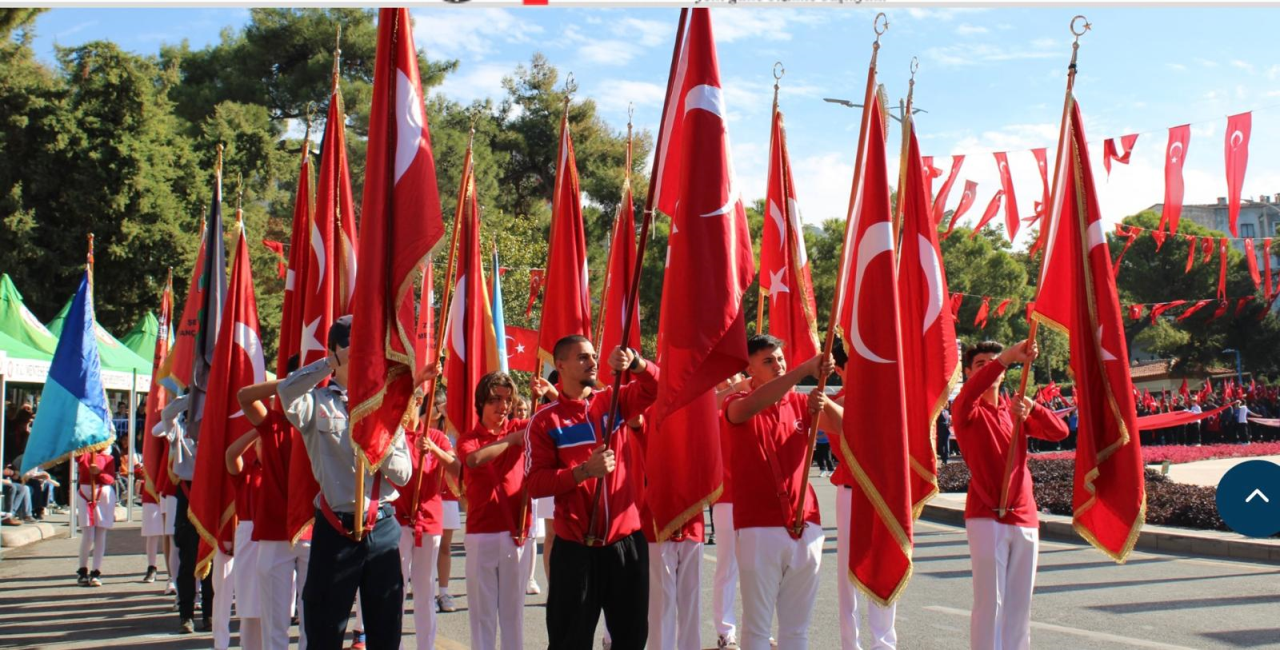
x=985, y=347
x=291, y=364
x=758, y=342
x=484, y=389
x=340, y=333
x=837, y=352
x=563, y=345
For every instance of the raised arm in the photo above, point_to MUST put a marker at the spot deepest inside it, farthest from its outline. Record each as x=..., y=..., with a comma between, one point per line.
x=490, y=452
x=253, y=400
x=741, y=410
x=236, y=449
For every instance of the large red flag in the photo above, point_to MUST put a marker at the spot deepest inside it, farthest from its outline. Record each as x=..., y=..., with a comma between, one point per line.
x=993, y=208
x=702, y=336
x=175, y=373
x=1175, y=154
x=622, y=261
x=930, y=360
x=566, y=307
x=1078, y=297
x=237, y=362
x=784, y=264
x=1236, y=152
x=874, y=443
x=400, y=226
x=966, y=201
x=1011, y=220
x=154, y=448
x=470, y=343
x=335, y=221
x=940, y=202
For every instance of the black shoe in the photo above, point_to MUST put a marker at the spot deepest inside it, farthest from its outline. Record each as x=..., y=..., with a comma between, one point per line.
x=95, y=578
x=82, y=577
x=188, y=626
x=206, y=625
x=151, y=575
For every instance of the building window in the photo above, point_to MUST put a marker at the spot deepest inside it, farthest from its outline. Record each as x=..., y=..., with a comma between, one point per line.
x=1247, y=231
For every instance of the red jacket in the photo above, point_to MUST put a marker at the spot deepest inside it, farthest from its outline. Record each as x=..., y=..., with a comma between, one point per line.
x=984, y=432
x=561, y=437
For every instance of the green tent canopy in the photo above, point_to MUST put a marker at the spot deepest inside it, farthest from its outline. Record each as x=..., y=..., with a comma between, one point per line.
x=142, y=338
x=20, y=324
x=115, y=356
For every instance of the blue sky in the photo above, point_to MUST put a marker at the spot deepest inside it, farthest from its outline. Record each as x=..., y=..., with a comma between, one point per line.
x=991, y=80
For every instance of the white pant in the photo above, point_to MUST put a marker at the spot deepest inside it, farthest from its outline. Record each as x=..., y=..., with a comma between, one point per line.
x=726, y=580
x=96, y=537
x=1004, y=574
x=224, y=592
x=302, y=555
x=848, y=599
x=778, y=573
x=497, y=575
x=152, y=520
x=248, y=598
x=418, y=566
x=675, y=569
x=169, y=508
x=276, y=591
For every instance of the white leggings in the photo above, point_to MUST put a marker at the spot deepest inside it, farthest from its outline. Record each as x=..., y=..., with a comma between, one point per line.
x=153, y=547
x=97, y=538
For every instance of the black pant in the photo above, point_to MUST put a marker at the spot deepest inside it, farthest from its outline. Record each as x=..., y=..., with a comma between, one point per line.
x=188, y=541
x=339, y=567
x=944, y=444
x=822, y=452
x=586, y=580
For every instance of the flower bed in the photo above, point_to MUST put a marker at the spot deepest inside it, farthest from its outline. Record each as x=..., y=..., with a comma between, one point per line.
x=1184, y=454
x=1168, y=503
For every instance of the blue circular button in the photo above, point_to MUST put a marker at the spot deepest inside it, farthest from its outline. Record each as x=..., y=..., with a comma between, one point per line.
x=1249, y=498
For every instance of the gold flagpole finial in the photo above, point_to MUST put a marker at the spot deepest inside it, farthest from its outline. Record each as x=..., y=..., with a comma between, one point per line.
x=239, y=197
x=217, y=166
x=337, y=56
x=570, y=87
x=880, y=25
x=89, y=257
x=631, y=113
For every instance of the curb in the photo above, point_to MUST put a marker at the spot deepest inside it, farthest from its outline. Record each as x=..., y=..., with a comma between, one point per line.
x=25, y=534
x=1159, y=539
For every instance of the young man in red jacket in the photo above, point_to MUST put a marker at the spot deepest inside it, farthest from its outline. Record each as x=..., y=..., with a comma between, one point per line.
x=498, y=517
x=606, y=568
x=1002, y=544
x=769, y=430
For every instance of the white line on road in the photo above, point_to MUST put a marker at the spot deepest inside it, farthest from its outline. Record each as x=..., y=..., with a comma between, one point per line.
x=1075, y=631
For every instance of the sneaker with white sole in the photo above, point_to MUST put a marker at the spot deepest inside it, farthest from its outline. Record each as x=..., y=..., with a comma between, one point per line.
x=532, y=589
x=445, y=604
x=726, y=641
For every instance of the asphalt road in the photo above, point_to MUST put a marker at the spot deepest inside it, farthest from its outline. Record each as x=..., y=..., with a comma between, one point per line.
x=1082, y=599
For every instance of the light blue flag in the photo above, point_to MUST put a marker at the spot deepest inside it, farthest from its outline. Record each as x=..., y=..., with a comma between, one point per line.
x=73, y=417
x=499, y=321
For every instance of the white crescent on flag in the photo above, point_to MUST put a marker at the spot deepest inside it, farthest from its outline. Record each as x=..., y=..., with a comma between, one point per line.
x=876, y=240
x=248, y=340
x=409, y=123
x=317, y=248
x=1236, y=139
x=1173, y=152
x=933, y=274
x=457, y=333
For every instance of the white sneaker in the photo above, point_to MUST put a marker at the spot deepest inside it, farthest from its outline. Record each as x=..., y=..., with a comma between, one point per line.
x=532, y=589
x=444, y=603
x=726, y=641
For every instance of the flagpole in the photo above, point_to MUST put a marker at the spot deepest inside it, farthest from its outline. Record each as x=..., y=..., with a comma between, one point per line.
x=798, y=520
x=908, y=125
x=633, y=289
x=778, y=71
x=444, y=322
x=1063, y=136
x=626, y=191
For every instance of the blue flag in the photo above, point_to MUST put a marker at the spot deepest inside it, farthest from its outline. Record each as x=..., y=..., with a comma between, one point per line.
x=499, y=321
x=73, y=417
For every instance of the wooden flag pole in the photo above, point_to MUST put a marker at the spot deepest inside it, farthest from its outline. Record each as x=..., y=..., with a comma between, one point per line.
x=633, y=288
x=1064, y=135
x=797, y=524
x=762, y=297
x=463, y=191
x=626, y=186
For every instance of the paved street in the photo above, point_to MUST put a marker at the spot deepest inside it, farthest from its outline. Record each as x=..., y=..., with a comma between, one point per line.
x=1082, y=599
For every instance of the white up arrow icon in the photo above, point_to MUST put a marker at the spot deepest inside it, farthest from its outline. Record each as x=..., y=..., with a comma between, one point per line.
x=1257, y=493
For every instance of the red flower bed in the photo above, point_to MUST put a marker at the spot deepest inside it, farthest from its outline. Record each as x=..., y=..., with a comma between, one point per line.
x=1184, y=454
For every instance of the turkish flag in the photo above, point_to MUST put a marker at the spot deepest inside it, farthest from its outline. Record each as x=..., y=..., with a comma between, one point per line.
x=980, y=319
x=1241, y=303
x=522, y=349
x=566, y=310
x=1175, y=154
x=1251, y=259
x=277, y=248
x=154, y=448
x=1120, y=155
x=956, y=300
x=1193, y=309
x=1193, y=247
x=424, y=343
x=784, y=263
x=335, y=218
x=471, y=347
x=400, y=225
x=993, y=208
x=1078, y=297
x=1011, y=221
x=1135, y=312
x=1208, y=246
x=940, y=202
x=1004, y=304
x=875, y=443
x=621, y=269
x=1042, y=164
x=930, y=360
x=237, y=362
x=1185, y=392
x=966, y=201
x=1224, y=245
x=930, y=173
x=702, y=335
x=1266, y=268
x=1220, y=311
x=1236, y=152
x=1161, y=308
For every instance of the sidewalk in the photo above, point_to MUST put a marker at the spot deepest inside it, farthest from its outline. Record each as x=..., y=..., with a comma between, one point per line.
x=948, y=508
x=1209, y=472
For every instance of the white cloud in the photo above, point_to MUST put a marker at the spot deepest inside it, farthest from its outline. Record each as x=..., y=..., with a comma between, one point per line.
x=476, y=81
x=1177, y=67
x=475, y=33
x=649, y=32
x=1243, y=65
x=615, y=94
x=74, y=29
x=1273, y=72
x=736, y=25
x=608, y=52
x=971, y=54
x=965, y=29
x=822, y=185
